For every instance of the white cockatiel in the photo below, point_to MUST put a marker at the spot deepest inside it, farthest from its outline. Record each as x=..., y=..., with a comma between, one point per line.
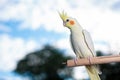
x=81, y=43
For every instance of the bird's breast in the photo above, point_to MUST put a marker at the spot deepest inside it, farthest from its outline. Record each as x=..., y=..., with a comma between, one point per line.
x=79, y=46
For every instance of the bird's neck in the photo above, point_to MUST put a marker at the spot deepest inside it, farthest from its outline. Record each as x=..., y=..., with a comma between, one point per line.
x=76, y=29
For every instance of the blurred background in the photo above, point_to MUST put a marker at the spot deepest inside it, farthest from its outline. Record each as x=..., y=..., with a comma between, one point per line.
x=34, y=43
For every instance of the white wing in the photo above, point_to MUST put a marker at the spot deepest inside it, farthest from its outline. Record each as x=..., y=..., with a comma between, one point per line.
x=90, y=45
x=89, y=42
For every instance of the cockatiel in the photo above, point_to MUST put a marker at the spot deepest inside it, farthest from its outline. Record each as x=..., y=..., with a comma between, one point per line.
x=81, y=42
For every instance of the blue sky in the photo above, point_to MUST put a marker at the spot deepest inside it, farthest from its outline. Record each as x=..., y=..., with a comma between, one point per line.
x=26, y=25
x=10, y=76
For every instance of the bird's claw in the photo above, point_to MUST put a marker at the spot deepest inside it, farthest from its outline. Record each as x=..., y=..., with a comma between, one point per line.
x=75, y=61
x=89, y=59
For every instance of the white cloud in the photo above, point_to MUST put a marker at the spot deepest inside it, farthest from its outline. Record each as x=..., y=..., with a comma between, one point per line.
x=65, y=44
x=2, y=2
x=14, y=49
x=34, y=13
x=104, y=4
x=104, y=47
x=80, y=73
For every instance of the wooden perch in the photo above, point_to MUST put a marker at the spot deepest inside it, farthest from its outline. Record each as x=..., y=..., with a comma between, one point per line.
x=93, y=60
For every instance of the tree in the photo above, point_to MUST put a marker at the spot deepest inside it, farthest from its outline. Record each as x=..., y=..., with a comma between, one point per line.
x=45, y=64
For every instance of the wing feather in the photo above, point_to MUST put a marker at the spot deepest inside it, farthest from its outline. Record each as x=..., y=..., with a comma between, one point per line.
x=89, y=42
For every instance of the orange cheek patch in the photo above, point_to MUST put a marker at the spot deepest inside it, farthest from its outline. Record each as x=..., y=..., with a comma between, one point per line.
x=72, y=22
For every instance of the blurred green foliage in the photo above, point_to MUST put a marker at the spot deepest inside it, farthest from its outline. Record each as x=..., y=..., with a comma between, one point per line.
x=45, y=64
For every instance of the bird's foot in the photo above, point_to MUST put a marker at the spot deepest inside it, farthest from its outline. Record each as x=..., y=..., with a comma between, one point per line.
x=75, y=61
x=89, y=59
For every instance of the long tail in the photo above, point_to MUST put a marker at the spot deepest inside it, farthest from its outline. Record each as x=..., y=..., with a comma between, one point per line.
x=93, y=72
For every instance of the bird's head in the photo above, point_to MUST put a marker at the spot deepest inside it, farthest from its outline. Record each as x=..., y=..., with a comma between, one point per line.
x=67, y=21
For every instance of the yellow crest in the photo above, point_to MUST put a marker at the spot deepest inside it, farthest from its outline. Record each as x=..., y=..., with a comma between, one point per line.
x=63, y=15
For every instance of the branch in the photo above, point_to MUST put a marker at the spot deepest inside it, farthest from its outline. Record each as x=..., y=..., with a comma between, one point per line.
x=93, y=60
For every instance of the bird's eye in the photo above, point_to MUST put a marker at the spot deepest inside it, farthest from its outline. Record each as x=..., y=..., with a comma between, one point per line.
x=67, y=20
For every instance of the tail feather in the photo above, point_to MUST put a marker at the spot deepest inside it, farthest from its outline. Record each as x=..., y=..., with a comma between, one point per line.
x=93, y=72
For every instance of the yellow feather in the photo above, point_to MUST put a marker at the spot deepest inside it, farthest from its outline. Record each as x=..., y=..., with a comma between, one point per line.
x=93, y=72
x=63, y=15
